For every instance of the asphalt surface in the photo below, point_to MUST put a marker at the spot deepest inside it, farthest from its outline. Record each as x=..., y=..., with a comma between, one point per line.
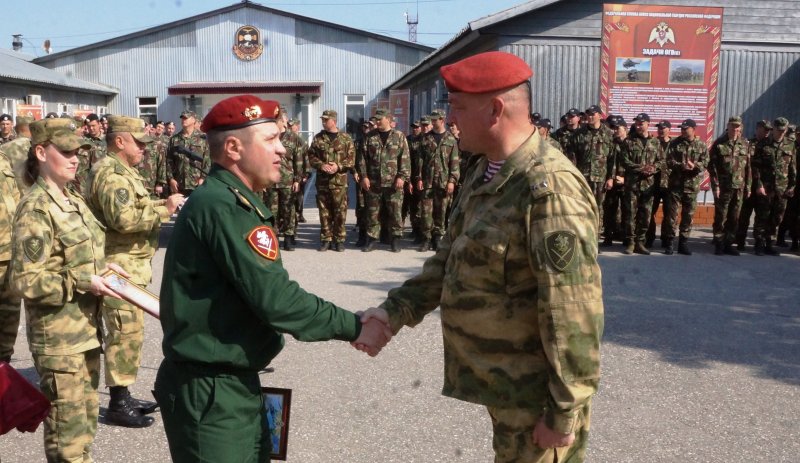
x=701, y=363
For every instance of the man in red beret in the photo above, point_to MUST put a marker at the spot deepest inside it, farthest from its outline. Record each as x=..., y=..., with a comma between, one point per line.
x=226, y=298
x=516, y=274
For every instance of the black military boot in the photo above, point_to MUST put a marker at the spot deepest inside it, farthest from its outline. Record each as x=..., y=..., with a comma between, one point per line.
x=607, y=241
x=120, y=412
x=287, y=243
x=338, y=246
x=369, y=246
x=759, y=247
x=770, y=250
x=145, y=407
x=419, y=237
x=668, y=247
x=781, y=242
x=719, y=248
x=640, y=248
x=730, y=250
x=324, y=246
x=435, y=242
x=740, y=244
x=425, y=245
x=683, y=247
x=395, y=244
x=649, y=242
x=362, y=238
x=301, y=219
x=628, y=247
x=294, y=240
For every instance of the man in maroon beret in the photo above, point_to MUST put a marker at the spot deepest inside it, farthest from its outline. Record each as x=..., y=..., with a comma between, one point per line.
x=516, y=274
x=226, y=298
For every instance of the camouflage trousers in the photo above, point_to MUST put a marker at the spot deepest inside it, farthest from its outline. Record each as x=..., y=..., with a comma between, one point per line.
x=599, y=192
x=769, y=213
x=9, y=319
x=281, y=202
x=636, y=210
x=513, y=438
x=122, y=341
x=362, y=221
x=412, y=207
x=688, y=203
x=612, y=218
x=726, y=214
x=791, y=217
x=745, y=214
x=390, y=200
x=299, y=198
x=433, y=212
x=70, y=384
x=332, y=204
x=660, y=196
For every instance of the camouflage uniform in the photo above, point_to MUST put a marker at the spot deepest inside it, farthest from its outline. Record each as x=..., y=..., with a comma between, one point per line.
x=564, y=136
x=281, y=197
x=58, y=246
x=519, y=286
x=774, y=169
x=641, y=158
x=749, y=202
x=684, y=185
x=384, y=163
x=661, y=196
x=153, y=167
x=189, y=174
x=438, y=165
x=362, y=221
x=411, y=197
x=728, y=170
x=116, y=195
x=9, y=303
x=11, y=137
x=612, y=203
x=592, y=148
x=332, y=188
x=86, y=159
x=17, y=153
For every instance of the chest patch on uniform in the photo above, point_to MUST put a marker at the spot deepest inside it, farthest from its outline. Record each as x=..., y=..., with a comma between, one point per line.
x=33, y=247
x=560, y=249
x=122, y=196
x=264, y=242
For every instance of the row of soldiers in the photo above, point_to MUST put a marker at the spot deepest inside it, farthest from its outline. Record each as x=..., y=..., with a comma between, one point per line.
x=636, y=171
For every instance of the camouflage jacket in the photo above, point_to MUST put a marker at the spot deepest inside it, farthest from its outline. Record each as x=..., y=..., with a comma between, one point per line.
x=385, y=163
x=729, y=164
x=188, y=173
x=591, y=148
x=17, y=153
x=116, y=195
x=564, y=137
x=679, y=151
x=9, y=197
x=773, y=165
x=555, y=144
x=58, y=246
x=438, y=164
x=86, y=159
x=292, y=161
x=11, y=137
x=636, y=153
x=662, y=176
x=519, y=286
x=341, y=151
x=153, y=167
x=413, y=154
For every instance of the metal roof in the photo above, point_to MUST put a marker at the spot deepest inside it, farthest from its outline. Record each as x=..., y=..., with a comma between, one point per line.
x=227, y=9
x=19, y=68
x=205, y=88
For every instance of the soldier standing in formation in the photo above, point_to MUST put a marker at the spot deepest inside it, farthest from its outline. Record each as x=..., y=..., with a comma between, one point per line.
x=153, y=167
x=185, y=172
x=281, y=199
x=9, y=302
x=687, y=157
x=437, y=176
x=116, y=194
x=661, y=192
x=89, y=157
x=6, y=129
x=305, y=174
x=384, y=168
x=763, y=128
x=774, y=178
x=729, y=175
x=591, y=145
x=361, y=202
x=16, y=151
x=411, y=196
x=332, y=154
x=615, y=183
x=565, y=133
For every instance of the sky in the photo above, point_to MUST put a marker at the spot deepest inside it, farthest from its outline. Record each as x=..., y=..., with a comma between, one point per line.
x=69, y=25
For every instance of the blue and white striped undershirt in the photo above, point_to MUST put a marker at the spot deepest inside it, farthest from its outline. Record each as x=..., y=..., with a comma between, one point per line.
x=492, y=168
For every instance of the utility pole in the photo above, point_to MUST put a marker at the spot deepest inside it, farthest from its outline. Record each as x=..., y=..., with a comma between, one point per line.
x=412, y=22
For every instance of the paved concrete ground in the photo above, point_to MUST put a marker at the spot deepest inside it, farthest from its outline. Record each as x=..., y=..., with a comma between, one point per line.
x=701, y=363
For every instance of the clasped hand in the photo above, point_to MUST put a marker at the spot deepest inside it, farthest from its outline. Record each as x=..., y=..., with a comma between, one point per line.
x=375, y=331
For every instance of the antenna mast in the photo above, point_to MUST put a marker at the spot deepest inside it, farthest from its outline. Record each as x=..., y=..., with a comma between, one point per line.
x=412, y=22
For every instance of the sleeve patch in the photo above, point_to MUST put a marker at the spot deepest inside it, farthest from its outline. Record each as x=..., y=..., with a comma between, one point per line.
x=560, y=249
x=122, y=196
x=33, y=247
x=264, y=242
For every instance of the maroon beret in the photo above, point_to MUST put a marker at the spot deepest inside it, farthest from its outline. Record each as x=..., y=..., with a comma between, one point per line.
x=240, y=111
x=486, y=72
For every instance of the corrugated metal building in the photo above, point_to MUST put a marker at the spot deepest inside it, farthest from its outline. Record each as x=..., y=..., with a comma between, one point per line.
x=560, y=39
x=307, y=64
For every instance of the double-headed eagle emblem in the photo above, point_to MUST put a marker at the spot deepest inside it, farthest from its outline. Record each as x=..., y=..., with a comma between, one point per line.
x=662, y=34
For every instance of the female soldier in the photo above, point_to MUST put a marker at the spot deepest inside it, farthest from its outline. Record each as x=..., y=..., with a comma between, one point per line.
x=57, y=256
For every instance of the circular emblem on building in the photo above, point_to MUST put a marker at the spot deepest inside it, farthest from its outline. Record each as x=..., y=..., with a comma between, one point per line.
x=247, y=46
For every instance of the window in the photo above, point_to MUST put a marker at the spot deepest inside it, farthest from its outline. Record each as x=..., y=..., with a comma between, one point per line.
x=147, y=108
x=354, y=109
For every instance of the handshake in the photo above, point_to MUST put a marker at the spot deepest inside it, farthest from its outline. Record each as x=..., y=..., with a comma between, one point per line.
x=375, y=331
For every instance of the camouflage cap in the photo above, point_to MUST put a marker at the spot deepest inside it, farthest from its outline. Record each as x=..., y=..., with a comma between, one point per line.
x=780, y=123
x=382, y=112
x=415, y=124
x=593, y=109
x=293, y=121
x=765, y=124
x=572, y=112
x=132, y=125
x=425, y=120
x=329, y=114
x=544, y=123
x=58, y=131
x=51, y=115
x=185, y=114
x=735, y=120
x=665, y=124
x=437, y=114
x=688, y=123
x=25, y=120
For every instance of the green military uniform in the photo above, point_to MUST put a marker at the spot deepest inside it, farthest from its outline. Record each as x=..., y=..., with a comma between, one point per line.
x=17, y=153
x=519, y=286
x=225, y=300
x=661, y=196
x=564, y=136
x=683, y=186
x=592, y=148
x=774, y=169
x=187, y=173
x=9, y=138
x=9, y=303
x=383, y=162
x=280, y=198
x=332, y=188
x=117, y=196
x=728, y=171
x=641, y=159
x=438, y=165
x=153, y=167
x=411, y=197
x=58, y=246
x=86, y=159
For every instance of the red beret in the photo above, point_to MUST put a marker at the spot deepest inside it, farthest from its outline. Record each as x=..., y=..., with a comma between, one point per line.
x=486, y=72
x=240, y=111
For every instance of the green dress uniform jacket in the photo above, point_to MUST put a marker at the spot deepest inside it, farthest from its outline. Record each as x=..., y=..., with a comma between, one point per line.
x=517, y=279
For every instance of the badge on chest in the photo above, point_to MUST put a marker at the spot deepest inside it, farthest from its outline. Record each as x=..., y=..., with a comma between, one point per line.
x=264, y=242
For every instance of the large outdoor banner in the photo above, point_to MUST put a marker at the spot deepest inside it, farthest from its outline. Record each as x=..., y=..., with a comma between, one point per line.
x=663, y=61
x=30, y=110
x=400, y=107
